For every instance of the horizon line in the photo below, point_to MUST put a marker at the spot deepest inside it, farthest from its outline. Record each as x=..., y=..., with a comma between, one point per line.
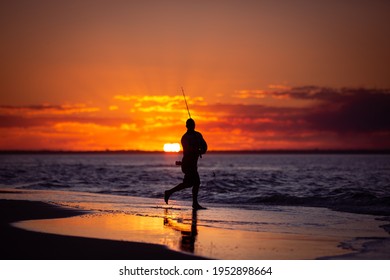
x=255, y=151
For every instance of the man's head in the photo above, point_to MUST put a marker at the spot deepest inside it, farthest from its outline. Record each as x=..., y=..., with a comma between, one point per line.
x=190, y=124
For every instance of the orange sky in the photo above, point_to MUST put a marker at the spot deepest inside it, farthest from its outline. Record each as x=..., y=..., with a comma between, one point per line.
x=96, y=75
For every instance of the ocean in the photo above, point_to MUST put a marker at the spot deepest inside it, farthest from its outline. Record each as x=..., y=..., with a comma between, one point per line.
x=342, y=198
x=357, y=183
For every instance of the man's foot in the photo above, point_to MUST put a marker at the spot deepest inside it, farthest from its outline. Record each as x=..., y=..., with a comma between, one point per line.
x=198, y=207
x=166, y=197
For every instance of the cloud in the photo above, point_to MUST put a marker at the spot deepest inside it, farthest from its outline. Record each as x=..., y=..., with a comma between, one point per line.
x=47, y=109
x=333, y=118
x=150, y=98
x=18, y=121
x=357, y=110
x=158, y=99
x=159, y=105
x=43, y=115
x=280, y=87
x=29, y=122
x=351, y=111
x=336, y=118
x=113, y=108
x=245, y=94
x=307, y=92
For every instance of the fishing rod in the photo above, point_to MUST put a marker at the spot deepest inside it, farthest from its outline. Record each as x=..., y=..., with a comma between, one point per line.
x=185, y=100
x=178, y=162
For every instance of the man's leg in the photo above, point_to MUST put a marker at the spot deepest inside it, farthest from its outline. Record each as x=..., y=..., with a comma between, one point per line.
x=195, y=191
x=168, y=193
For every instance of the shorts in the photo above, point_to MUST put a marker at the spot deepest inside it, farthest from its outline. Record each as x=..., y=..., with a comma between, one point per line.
x=191, y=179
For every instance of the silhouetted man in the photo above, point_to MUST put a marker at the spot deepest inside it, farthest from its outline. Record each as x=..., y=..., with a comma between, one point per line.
x=193, y=147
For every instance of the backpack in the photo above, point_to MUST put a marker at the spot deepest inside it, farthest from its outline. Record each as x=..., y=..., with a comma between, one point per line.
x=202, y=145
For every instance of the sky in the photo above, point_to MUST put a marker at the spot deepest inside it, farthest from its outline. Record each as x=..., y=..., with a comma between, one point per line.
x=258, y=75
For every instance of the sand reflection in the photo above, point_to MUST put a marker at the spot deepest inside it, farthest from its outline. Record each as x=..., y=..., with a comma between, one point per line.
x=182, y=233
x=188, y=232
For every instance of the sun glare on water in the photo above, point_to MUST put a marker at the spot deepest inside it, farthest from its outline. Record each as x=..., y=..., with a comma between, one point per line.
x=172, y=147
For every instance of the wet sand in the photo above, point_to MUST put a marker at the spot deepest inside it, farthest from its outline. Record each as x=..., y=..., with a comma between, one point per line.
x=75, y=234
x=19, y=244
x=32, y=229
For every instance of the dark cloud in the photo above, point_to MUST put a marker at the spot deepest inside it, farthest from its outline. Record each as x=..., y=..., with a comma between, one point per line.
x=350, y=117
x=8, y=121
x=18, y=121
x=352, y=110
x=256, y=121
x=34, y=108
x=356, y=110
x=43, y=115
x=309, y=93
x=246, y=111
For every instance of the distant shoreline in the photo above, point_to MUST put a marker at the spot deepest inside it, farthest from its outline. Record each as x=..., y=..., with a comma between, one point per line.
x=313, y=151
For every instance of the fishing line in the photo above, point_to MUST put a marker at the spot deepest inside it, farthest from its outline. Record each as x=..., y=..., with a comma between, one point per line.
x=185, y=100
x=178, y=162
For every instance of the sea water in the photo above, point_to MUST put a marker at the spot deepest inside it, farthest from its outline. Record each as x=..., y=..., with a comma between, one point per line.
x=322, y=195
x=358, y=183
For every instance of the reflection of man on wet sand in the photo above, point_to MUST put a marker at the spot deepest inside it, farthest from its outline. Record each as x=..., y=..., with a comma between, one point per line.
x=188, y=236
x=193, y=147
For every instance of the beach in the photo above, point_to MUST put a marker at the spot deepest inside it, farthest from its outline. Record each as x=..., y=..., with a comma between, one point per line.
x=259, y=206
x=43, y=226
x=18, y=244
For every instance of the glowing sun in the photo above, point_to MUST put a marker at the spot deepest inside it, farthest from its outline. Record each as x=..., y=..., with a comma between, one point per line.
x=172, y=147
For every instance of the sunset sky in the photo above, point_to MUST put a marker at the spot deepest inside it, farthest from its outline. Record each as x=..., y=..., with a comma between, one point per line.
x=96, y=75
